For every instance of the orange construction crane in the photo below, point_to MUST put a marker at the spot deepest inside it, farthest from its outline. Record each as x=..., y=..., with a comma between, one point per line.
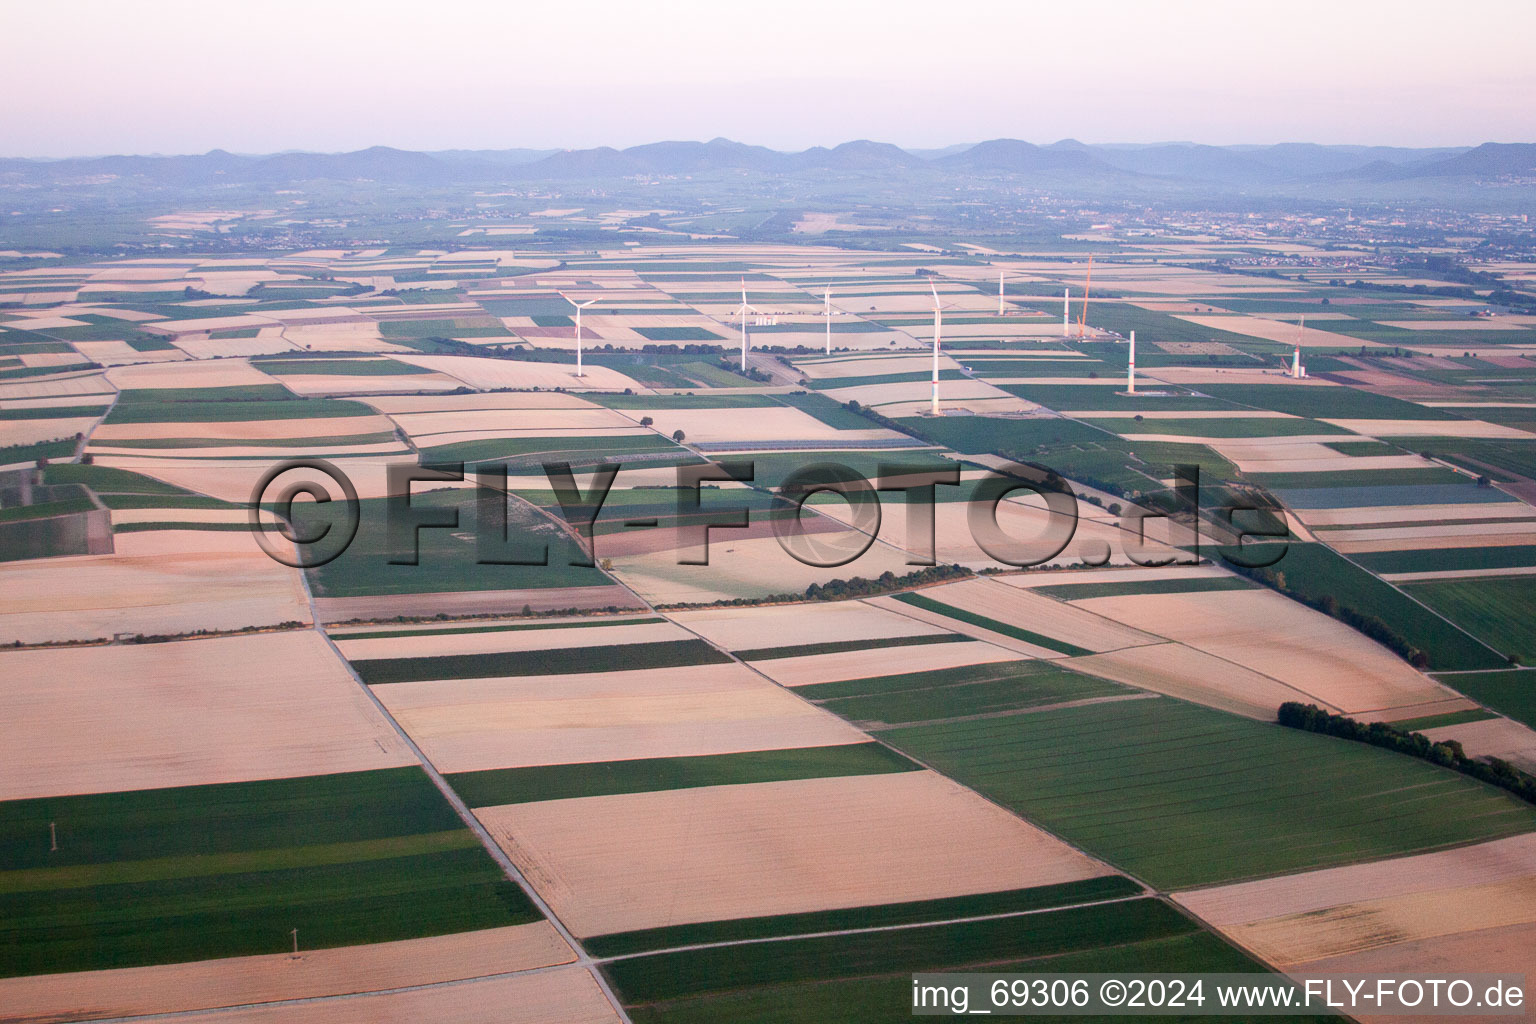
x=1082, y=321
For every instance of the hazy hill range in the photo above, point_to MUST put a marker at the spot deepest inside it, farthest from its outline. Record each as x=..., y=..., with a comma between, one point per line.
x=1287, y=163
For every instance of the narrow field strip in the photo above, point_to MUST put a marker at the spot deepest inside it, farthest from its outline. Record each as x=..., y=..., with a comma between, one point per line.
x=646, y=775
x=563, y=661
x=1006, y=629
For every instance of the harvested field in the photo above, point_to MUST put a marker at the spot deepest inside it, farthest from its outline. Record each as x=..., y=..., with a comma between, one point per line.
x=1276, y=330
x=569, y=995
x=1018, y=517
x=1430, y=428
x=235, y=516
x=473, y=725
x=1135, y=574
x=405, y=405
x=772, y=848
x=738, y=629
x=1273, y=635
x=1305, y=918
x=535, y=421
x=80, y=384
x=106, y=719
x=752, y=567
x=508, y=640
x=213, y=373
x=19, y=432
x=1412, y=513
x=1017, y=606
x=1189, y=674
x=340, y=384
x=144, y=588
x=780, y=424
x=314, y=973
x=506, y=373
x=1494, y=737
x=829, y=668
x=473, y=602
x=245, y=430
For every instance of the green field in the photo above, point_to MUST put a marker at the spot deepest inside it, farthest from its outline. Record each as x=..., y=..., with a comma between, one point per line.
x=868, y=977
x=705, y=401
x=108, y=480
x=1318, y=574
x=1182, y=795
x=463, y=327
x=1428, y=476
x=1332, y=402
x=1196, y=585
x=1105, y=887
x=1436, y=721
x=645, y=775
x=550, y=449
x=678, y=334
x=928, y=696
x=840, y=646
x=342, y=367
x=1105, y=396
x=192, y=873
x=1499, y=610
x=448, y=559
x=975, y=435
x=1449, y=559
x=512, y=628
x=32, y=452
x=1511, y=692
x=52, y=412
x=827, y=410
x=150, y=443
x=1235, y=427
x=996, y=626
x=562, y=661
x=1338, y=493
x=243, y=393
x=828, y=383
x=234, y=411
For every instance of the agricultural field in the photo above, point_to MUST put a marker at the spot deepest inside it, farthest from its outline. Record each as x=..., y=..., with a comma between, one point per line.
x=527, y=760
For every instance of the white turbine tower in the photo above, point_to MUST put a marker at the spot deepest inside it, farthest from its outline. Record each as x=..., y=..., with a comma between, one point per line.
x=1130, y=372
x=1066, y=311
x=1000, y=277
x=827, y=298
x=579, y=307
x=938, y=330
x=743, y=310
x=1296, y=355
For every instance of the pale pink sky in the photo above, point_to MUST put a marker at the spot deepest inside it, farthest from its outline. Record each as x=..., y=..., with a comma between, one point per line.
x=107, y=76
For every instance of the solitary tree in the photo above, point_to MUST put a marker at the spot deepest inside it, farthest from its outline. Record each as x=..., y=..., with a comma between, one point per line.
x=677, y=435
x=646, y=421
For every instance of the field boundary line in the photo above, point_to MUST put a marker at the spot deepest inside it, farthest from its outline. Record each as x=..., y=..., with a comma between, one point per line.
x=511, y=870
x=905, y=926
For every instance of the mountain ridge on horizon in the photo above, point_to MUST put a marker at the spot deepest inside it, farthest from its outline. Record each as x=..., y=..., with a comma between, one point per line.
x=1195, y=163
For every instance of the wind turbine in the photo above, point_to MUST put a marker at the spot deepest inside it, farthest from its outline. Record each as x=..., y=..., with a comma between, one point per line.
x=743, y=310
x=579, y=307
x=938, y=330
x=1000, y=275
x=827, y=297
x=1296, y=356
